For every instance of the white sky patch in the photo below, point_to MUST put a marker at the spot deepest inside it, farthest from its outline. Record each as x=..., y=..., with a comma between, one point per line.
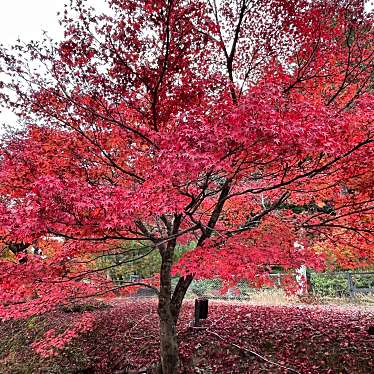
x=26, y=20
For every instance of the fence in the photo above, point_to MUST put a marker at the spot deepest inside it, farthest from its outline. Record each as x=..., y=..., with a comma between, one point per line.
x=342, y=284
x=336, y=284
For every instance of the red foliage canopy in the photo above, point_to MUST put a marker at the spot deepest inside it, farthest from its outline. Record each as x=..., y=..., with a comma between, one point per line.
x=242, y=126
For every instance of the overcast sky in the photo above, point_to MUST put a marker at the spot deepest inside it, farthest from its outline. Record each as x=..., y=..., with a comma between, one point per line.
x=25, y=19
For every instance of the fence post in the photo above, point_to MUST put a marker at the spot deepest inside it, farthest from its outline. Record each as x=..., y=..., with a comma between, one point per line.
x=350, y=284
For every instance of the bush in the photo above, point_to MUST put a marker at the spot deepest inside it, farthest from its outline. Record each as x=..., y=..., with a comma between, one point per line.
x=330, y=284
x=336, y=284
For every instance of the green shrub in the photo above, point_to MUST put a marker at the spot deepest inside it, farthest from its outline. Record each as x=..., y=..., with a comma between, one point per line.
x=330, y=284
x=336, y=284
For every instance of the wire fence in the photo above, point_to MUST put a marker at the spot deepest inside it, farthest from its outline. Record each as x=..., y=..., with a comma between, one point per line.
x=342, y=284
x=335, y=284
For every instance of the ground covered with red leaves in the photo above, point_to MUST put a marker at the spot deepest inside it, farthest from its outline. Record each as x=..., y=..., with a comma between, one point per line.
x=123, y=338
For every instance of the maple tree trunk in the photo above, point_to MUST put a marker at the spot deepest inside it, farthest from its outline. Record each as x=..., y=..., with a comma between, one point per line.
x=178, y=295
x=168, y=344
x=168, y=336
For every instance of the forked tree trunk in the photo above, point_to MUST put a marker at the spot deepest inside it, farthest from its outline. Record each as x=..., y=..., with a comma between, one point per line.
x=169, y=305
x=168, y=310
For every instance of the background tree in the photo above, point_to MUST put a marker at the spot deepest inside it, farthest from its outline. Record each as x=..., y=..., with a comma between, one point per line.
x=134, y=259
x=170, y=122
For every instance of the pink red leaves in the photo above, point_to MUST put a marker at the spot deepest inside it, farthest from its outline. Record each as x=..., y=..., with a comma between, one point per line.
x=239, y=129
x=310, y=340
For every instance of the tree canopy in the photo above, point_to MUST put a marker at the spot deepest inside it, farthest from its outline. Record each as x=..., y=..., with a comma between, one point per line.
x=242, y=126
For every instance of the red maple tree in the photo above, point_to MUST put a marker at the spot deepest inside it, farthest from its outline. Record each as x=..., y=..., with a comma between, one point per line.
x=242, y=126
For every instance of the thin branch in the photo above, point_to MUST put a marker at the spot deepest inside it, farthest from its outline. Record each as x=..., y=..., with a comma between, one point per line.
x=309, y=174
x=250, y=223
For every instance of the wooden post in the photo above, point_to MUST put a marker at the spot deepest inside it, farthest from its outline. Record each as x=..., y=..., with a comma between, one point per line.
x=351, y=287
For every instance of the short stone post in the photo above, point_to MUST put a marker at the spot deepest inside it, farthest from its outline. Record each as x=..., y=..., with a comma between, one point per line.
x=201, y=310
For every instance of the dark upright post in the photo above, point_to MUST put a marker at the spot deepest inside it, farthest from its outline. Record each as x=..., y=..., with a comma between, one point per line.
x=201, y=310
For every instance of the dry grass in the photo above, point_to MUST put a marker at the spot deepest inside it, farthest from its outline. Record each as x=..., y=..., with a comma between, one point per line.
x=280, y=297
x=272, y=297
